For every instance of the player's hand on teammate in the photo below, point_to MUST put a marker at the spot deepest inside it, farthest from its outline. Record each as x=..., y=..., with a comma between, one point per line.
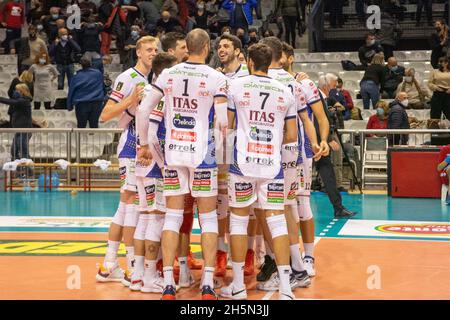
x=136, y=96
x=317, y=152
x=144, y=156
x=302, y=76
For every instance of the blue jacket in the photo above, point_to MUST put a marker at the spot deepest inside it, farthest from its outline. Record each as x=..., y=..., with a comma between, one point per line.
x=247, y=6
x=86, y=86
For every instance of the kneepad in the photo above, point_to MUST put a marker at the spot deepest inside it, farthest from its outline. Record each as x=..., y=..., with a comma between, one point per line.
x=208, y=222
x=173, y=220
x=119, y=217
x=304, y=208
x=155, y=228
x=131, y=216
x=277, y=226
x=238, y=225
x=141, y=227
x=222, y=206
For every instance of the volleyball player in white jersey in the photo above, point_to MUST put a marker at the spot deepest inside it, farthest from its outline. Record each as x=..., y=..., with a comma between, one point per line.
x=194, y=94
x=315, y=109
x=123, y=100
x=150, y=186
x=263, y=113
x=228, y=50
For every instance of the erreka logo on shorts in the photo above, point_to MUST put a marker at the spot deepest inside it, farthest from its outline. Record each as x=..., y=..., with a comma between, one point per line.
x=182, y=148
x=416, y=229
x=261, y=135
x=183, y=122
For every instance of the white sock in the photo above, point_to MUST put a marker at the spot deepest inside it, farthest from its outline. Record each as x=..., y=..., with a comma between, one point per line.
x=149, y=269
x=238, y=274
x=309, y=249
x=268, y=251
x=283, y=273
x=250, y=242
x=221, y=244
x=168, y=276
x=130, y=257
x=184, y=268
x=297, y=262
x=111, y=251
x=138, y=270
x=208, y=277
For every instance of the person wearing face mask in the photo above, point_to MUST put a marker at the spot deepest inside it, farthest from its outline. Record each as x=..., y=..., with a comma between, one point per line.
x=27, y=48
x=368, y=50
x=130, y=47
x=63, y=51
x=44, y=73
x=41, y=33
x=439, y=83
x=418, y=94
x=14, y=18
x=439, y=42
x=201, y=16
x=379, y=120
x=398, y=119
x=393, y=77
x=170, y=6
x=240, y=13
x=252, y=36
x=51, y=24
x=348, y=98
x=167, y=22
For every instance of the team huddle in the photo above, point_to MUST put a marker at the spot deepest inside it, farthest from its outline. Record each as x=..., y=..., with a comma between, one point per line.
x=237, y=143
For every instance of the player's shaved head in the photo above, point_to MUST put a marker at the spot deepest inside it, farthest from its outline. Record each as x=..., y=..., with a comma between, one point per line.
x=276, y=45
x=196, y=40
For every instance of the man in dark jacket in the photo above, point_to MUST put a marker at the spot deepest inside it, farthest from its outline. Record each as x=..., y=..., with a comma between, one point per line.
x=369, y=49
x=63, y=52
x=86, y=93
x=394, y=76
x=439, y=43
x=389, y=34
x=398, y=119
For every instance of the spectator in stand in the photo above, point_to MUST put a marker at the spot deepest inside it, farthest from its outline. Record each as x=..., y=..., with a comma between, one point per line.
x=290, y=11
x=133, y=13
x=393, y=77
x=87, y=8
x=90, y=32
x=398, y=119
x=20, y=117
x=41, y=32
x=166, y=22
x=63, y=51
x=48, y=4
x=268, y=33
x=348, y=98
x=150, y=14
x=343, y=113
x=389, y=34
x=372, y=80
x=51, y=23
x=130, y=47
x=428, y=4
x=171, y=6
x=28, y=48
x=104, y=13
x=252, y=36
x=44, y=74
x=439, y=42
x=201, y=16
x=240, y=33
x=337, y=14
x=86, y=94
x=439, y=83
x=26, y=77
x=36, y=12
x=13, y=20
x=369, y=49
x=418, y=94
x=379, y=120
x=240, y=13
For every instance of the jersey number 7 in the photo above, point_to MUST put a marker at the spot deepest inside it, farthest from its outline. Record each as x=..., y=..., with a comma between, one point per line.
x=266, y=96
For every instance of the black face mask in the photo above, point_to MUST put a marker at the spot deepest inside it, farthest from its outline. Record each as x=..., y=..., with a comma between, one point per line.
x=438, y=29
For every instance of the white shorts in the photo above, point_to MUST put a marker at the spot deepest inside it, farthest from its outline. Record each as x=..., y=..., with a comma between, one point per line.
x=199, y=183
x=291, y=179
x=151, y=195
x=304, y=188
x=127, y=172
x=244, y=191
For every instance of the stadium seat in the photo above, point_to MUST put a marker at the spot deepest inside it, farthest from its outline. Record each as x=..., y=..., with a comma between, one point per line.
x=366, y=114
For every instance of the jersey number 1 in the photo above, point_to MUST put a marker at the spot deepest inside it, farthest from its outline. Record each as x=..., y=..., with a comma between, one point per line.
x=185, y=94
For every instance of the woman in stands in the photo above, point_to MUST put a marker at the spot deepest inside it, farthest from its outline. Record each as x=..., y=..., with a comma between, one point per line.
x=439, y=83
x=379, y=120
x=373, y=79
x=20, y=117
x=25, y=77
x=44, y=74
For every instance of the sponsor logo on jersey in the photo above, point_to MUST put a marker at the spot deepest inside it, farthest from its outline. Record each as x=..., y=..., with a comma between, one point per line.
x=183, y=122
x=275, y=193
x=289, y=165
x=202, y=181
x=261, y=134
x=260, y=148
x=117, y=94
x=150, y=194
x=171, y=181
x=182, y=148
x=244, y=104
x=184, y=135
x=170, y=81
x=133, y=75
x=262, y=116
x=203, y=93
x=202, y=85
x=441, y=229
x=243, y=191
x=246, y=95
x=184, y=103
x=119, y=86
x=261, y=161
x=123, y=175
x=292, y=191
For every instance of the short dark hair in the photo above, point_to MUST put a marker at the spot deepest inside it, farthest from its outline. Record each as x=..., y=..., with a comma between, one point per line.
x=339, y=81
x=252, y=30
x=288, y=49
x=85, y=61
x=169, y=40
x=275, y=44
x=237, y=44
x=369, y=34
x=261, y=55
x=162, y=61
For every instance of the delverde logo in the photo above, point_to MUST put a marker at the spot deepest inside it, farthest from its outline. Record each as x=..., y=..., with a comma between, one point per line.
x=417, y=229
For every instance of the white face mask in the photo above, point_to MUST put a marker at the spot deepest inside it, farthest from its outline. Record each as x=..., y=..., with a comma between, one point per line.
x=42, y=61
x=64, y=37
x=408, y=79
x=371, y=42
x=405, y=103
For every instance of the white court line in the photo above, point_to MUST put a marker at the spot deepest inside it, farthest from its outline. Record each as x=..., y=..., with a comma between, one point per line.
x=268, y=295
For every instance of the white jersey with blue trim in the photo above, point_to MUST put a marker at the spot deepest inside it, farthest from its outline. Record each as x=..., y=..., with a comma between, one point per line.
x=262, y=105
x=123, y=87
x=189, y=90
x=241, y=71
